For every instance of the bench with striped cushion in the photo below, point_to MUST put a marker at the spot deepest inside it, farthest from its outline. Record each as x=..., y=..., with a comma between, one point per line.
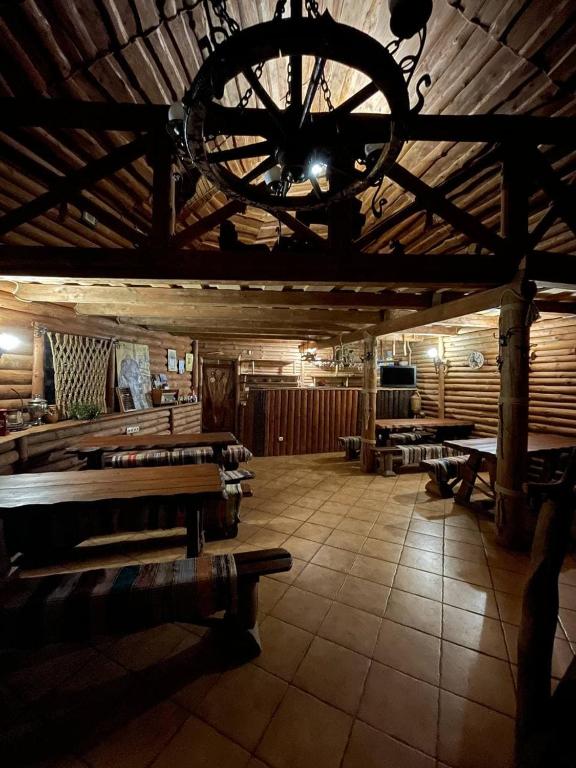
x=77, y=606
x=352, y=445
x=444, y=473
x=161, y=457
x=236, y=475
x=233, y=455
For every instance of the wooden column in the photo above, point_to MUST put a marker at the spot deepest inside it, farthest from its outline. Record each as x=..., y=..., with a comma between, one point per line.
x=162, y=190
x=38, y=360
x=512, y=449
x=196, y=368
x=367, y=457
x=441, y=379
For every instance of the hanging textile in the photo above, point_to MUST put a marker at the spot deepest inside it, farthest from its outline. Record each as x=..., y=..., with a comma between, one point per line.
x=80, y=369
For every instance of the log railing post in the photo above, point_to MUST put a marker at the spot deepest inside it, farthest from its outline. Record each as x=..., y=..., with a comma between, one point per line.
x=516, y=315
x=367, y=456
x=38, y=360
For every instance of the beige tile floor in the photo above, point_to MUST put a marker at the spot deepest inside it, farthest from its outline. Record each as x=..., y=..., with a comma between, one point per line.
x=390, y=644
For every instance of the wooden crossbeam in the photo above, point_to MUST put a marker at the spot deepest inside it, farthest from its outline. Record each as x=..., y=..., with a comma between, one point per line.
x=303, y=232
x=73, y=183
x=438, y=203
x=69, y=113
x=467, y=305
x=163, y=211
x=175, y=297
x=322, y=268
x=80, y=200
x=204, y=225
x=270, y=315
x=562, y=194
x=557, y=307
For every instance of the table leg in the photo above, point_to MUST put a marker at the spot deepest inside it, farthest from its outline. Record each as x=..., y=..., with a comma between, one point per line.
x=94, y=458
x=469, y=473
x=194, y=531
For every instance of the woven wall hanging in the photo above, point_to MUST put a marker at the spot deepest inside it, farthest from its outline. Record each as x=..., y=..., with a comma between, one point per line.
x=80, y=369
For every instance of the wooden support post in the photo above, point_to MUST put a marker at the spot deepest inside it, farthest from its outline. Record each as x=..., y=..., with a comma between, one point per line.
x=162, y=190
x=512, y=450
x=111, y=380
x=367, y=456
x=38, y=361
x=196, y=369
x=442, y=366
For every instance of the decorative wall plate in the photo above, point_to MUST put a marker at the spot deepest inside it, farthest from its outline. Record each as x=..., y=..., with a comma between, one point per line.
x=475, y=359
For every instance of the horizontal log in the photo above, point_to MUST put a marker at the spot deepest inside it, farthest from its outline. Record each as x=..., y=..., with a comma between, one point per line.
x=16, y=362
x=8, y=457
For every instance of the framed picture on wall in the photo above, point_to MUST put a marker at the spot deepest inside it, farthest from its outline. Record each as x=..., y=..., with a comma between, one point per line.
x=181, y=365
x=172, y=360
x=189, y=361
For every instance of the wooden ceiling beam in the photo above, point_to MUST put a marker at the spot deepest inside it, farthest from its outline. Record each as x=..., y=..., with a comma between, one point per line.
x=73, y=183
x=232, y=314
x=453, y=309
x=556, y=307
x=562, y=194
x=145, y=297
x=32, y=112
x=207, y=223
x=429, y=270
x=300, y=229
x=437, y=202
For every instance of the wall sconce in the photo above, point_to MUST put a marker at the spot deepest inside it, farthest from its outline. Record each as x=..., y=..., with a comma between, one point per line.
x=8, y=342
x=440, y=362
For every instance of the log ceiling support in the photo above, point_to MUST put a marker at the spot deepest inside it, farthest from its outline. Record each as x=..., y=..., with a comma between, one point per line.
x=369, y=390
x=304, y=233
x=562, y=195
x=200, y=227
x=70, y=185
x=512, y=444
x=163, y=211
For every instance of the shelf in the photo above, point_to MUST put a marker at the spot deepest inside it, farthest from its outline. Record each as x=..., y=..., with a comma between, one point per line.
x=279, y=363
x=333, y=375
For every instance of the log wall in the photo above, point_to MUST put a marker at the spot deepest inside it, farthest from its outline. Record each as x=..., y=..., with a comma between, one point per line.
x=308, y=420
x=17, y=317
x=43, y=449
x=474, y=394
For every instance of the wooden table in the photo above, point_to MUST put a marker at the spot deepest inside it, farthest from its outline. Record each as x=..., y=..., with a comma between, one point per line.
x=484, y=448
x=445, y=428
x=93, y=448
x=93, y=490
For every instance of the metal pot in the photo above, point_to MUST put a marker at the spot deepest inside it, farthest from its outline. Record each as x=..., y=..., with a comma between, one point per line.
x=37, y=407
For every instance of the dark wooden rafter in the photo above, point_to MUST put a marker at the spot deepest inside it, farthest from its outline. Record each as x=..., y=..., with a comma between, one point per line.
x=545, y=223
x=48, y=178
x=562, y=194
x=514, y=203
x=74, y=182
x=427, y=270
x=160, y=158
x=438, y=203
x=200, y=227
x=300, y=229
x=71, y=113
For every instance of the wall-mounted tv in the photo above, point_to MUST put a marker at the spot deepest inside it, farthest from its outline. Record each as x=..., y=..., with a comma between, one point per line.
x=398, y=376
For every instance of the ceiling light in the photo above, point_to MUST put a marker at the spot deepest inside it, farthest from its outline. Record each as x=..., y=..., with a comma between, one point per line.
x=317, y=169
x=433, y=353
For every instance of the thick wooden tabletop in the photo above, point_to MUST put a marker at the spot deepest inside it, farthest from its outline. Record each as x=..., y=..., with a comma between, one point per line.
x=536, y=442
x=433, y=423
x=142, y=442
x=48, y=488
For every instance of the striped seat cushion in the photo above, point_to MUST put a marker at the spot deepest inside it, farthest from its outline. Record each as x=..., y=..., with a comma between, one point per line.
x=160, y=458
x=444, y=469
x=414, y=454
x=405, y=438
x=351, y=441
x=237, y=475
x=234, y=454
x=77, y=606
x=202, y=454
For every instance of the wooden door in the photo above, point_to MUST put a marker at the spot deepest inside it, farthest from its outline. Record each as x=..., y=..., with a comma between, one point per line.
x=219, y=396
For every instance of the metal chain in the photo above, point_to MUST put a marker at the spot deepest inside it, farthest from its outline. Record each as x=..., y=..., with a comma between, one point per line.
x=280, y=8
x=312, y=8
x=220, y=8
x=287, y=97
x=327, y=93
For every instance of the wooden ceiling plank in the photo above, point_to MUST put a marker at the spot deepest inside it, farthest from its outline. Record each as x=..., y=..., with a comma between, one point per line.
x=73, y=183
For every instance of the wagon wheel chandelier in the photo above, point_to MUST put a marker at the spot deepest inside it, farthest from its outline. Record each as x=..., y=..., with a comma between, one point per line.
x=306, y=153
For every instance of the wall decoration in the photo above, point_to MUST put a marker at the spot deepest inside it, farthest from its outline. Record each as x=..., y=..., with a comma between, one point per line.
x=125, y=399
x=72, y=357
x=476, y=360
x=181, y=365
x=133, y=372
x=189, y=361
x=172, y=360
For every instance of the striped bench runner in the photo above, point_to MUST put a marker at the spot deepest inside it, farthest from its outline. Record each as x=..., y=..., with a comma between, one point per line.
x=352, y=445
x=234, y=455
x=161, y=457
x=76, y=606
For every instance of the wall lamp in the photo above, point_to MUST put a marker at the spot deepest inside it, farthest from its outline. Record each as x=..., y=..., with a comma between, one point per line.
x=8, y=342
x=437, y=356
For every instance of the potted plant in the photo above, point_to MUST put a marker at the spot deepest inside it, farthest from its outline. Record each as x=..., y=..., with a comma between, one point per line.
x=84, y=411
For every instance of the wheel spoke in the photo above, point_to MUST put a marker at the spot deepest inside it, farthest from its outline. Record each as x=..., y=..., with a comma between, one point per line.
x=358, y=98
x=296, y=83
x=267, y=100
x=313, y=84
x=259, y=149
x=261, y=168
x=316, y=187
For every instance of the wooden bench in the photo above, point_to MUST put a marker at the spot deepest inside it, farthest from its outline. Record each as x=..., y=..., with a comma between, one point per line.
x=444, y=474
x=389, y=458
x=72, y=606
x=352, y=445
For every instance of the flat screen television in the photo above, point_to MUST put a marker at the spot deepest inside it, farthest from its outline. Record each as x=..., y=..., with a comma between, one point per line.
x=398, y=376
